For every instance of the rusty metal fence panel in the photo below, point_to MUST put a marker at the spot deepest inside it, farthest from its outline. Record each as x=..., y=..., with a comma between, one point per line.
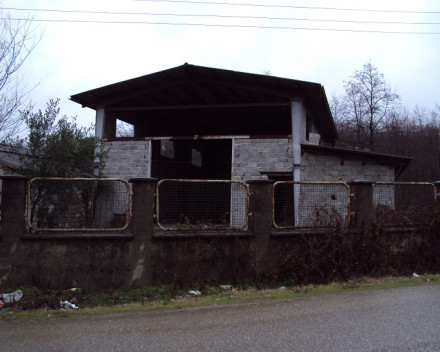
x=310, y=204
x=78, y=204
x=201, y=204
x=403, y=203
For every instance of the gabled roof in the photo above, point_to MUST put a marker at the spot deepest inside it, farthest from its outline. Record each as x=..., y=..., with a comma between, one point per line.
x=189, y=100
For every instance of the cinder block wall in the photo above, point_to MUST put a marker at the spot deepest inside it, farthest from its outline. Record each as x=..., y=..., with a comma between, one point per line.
x=127, y=159
x=315, y=167
x=251, y=157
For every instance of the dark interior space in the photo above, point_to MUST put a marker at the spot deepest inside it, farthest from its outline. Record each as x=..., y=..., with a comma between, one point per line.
x=202, y=122
x=190, y=203
x=191, y=159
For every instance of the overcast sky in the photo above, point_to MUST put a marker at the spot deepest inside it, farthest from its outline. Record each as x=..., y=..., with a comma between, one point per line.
x=79, y=52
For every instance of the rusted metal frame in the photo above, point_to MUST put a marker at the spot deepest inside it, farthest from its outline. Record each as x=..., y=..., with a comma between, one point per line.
x=412, y=184
x=200, y=181
x=127, y=204
x=309, y=182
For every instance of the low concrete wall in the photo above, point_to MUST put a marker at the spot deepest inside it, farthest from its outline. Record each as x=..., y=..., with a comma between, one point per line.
x=226, y=259
x=91, y=264
x=143, y=256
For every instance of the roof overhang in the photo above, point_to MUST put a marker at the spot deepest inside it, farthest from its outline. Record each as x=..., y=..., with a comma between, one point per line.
x=190, y=100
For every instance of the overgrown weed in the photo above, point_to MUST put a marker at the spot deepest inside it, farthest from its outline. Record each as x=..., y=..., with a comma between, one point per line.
x=39, y=304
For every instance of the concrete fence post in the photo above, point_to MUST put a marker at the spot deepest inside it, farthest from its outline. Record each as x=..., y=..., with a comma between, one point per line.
x=13, y=207
x=361, y=204
x=12, y=223
x=142, y=222
x=437, y=193
x=260, y=223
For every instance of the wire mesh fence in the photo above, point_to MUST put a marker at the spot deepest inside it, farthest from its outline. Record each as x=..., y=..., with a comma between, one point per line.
x=309, y=204
x=78, y=204
x=403, y=203
x=201, y=204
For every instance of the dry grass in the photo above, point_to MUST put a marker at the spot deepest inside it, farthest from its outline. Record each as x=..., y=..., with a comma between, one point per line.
x=214, y=296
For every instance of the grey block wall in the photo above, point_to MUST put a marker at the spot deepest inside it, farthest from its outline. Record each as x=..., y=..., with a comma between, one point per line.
x=127, y=159
x=251, y=157
x=315, y=167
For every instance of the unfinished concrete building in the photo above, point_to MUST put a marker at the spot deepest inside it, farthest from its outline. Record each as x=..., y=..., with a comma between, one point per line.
x=192, y=122
x=206, y=123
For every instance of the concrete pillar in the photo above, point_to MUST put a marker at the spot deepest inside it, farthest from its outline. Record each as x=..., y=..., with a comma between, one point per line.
x=142, y=221
x=361, y=203
x=299, y=121
x=260, y=223
x=105, y=126
x=437, y=192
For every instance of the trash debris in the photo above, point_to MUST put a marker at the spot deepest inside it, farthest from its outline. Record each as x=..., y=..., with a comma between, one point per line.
x=75, y=289
x=13, y=297
x=194, y=293
x=282, y=288
x=68, y=305
x=226, y=287
x=5, y=310
x=415, y=275
x=74, y=300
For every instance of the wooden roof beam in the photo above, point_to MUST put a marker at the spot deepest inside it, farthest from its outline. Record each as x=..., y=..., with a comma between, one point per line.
x=200, y=106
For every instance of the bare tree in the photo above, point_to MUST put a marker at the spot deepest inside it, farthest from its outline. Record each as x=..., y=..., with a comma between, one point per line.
x=367, y=104
x=17, y=40
x=338, y=109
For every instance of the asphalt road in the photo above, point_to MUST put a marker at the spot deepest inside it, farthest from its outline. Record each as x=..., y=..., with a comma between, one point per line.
x=403, y=319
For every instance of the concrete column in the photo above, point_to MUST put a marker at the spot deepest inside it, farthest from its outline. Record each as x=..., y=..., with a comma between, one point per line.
x=12, y=224
x=99, y=123
x=299, y=120
x=105, y=126
x=298, y=115
x=260, y=206
x=437, y=191
x=361, y=203
x=142, y=221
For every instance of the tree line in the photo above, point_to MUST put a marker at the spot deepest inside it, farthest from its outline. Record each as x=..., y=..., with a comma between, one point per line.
x=370, y=113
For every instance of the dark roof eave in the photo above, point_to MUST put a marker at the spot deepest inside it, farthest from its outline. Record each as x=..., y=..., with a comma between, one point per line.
x=91, y=98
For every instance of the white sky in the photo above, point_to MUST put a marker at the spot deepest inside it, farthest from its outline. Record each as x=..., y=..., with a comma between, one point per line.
x=74, y=57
